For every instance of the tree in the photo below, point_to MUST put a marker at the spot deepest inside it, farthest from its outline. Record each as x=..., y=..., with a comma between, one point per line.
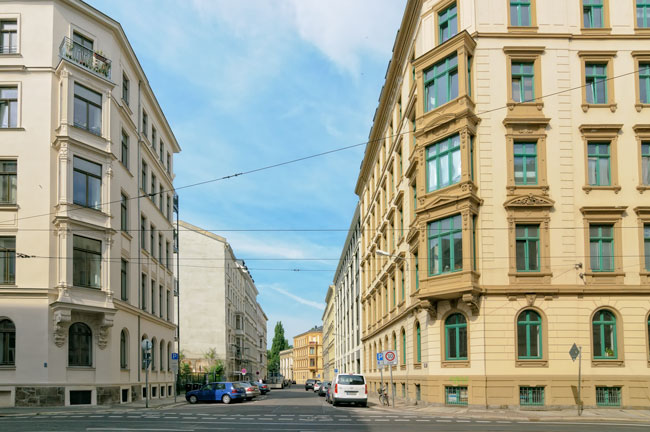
x=279, y=344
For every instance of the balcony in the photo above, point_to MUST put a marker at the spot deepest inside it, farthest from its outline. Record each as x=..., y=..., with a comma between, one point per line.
x=86, y=58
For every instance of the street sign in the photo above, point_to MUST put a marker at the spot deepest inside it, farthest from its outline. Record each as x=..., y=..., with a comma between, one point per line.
x=336, y=371
x=390, y=357
x=173, y=362
x=574, y=352
x=318, y=376
x=380, y=358
x=243, y=371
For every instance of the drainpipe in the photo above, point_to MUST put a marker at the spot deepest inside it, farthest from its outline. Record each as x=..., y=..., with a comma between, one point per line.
x=139, y=177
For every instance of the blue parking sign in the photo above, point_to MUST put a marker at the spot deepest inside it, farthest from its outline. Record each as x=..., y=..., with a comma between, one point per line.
x=380, y=358
x=174, y=356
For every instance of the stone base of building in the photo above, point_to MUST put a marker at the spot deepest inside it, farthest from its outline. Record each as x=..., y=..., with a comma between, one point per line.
x=39, y=396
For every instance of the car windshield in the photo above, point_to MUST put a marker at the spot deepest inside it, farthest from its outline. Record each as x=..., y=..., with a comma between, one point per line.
x=351, y=380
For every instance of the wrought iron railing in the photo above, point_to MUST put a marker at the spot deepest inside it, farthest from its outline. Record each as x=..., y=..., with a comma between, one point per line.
x=456, y=395
x=608, y=396
x=84, y=57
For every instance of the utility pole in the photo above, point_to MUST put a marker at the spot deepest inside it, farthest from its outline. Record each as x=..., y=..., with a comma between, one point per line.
x=146, y=359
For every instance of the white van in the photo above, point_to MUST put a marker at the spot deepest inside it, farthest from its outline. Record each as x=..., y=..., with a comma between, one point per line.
x=349, y=388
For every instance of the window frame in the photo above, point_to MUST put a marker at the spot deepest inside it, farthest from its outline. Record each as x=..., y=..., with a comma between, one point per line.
x=126, y=88
x=418, y=343
x=86, y=175
x=87, y=103
x=124, y=350
x=9, y=102
x=75, y=353
x=453, y=147
x=440, y=21
x=525, y=156
x=7, y=343
x=124, y=280
x=517, y=71
x=646, y=7
x=456, y=327
x=603, y=215
x=124, y=213
x=641, y=58
x=601, y=133
x=532, y=11
x=432, y=83
x=597, y=319
x=12, y=186
x=527, y=324
x=442, y=234
x=124, y=152
x=526, y=238
x=606, y=26
x=521, y=55
x=85, y=262
x=643, y=220
x=598, y=57
x=7, y=19
x=601, y=239
x=597, y=156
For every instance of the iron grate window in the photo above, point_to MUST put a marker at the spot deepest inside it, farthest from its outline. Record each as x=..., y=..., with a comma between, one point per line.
x=608, y=396
x=456, y=395
x=531, y=396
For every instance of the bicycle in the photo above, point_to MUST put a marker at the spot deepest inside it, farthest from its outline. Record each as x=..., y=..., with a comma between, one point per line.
x=383, y=396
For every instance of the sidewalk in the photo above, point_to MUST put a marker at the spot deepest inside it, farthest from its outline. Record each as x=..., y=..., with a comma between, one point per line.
x=132, y=406
x=564, y=414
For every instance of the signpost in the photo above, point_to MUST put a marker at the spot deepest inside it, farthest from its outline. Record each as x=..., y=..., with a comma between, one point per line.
x=173, y=364
x=380, y=365
x=390, y=358
x=146, y=360
x=576, y=352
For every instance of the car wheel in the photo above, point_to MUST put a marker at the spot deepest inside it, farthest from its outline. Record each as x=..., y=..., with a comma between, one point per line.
x=334, y=402
x=226, y=399
x=363, y=404
x=193, y=399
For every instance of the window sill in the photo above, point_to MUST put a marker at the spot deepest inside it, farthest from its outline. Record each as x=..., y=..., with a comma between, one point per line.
x=533, y=363
x=590, y=188
x=586, y=106
x=526, y=189
x=12, y=129
x=596, y=31
x=402, y=367
x=643, y=188
x=417, y=365
x=607, y=363
x=8, y=207
x=125, y=369
x=98, y=135
x=530, y=274
x=19, y=55
x=640, y=106
x=81, y=368
x=7, y=367
x=126, y=235
x=455, y=364
x=535, y=103
x=8, y=285
x=522, y=29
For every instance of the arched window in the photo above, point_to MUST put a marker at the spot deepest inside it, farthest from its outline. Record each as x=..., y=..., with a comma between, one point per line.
x=456, y=337
x=7, y=343
x=124, y=347
x=153, y=354
x=418, y=344
x=403, y=346
x=603, y=329
x=142, y=363
x=529, y=335
x=162, y=355
x=394, y=342
x=80, y=345
x=169, y=350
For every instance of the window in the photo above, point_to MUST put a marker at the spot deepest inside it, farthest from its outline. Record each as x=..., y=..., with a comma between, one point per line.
x=531, y=396
x=153, y=359
x=124, y=214
x=593, y=14
x=145, y=125
x=160, y=248
x=168, y=209
x=169, y=162
x=82, y=41
x=143, y=184
x=644, y=80
x=87, y=179
x=8, y=181
x=161, y=300
x=161, y=357
x=152, y=241
x=125, y=89
x=456, y=395
x=643, y=13
x=162, y=152
x=403, y=346
x=601, y=248
x=604, y=335
x=523, y=82
x=527, y=247
x=154, y=135
x=599, y=164
x=520, y=13
x=646, y=245
x=167, y=256
x=8, y=37
x=418, y=344
x=445, y=245
x=143, y=292
x=529, y=335
x=161, y=197
x=124, y=345
x=447, y=23
x=143, y=232
x=169, y=306
x=608, y=396
x=417, y=272
x=8, y=107
x=125, y=149
x=525, y=158
x=456, y=337
x=152, y=192
x=596, y=83
x=124, y=280
x=153, y=297
x=87, y=109
x=402, y=283
x=86, y=262
x=7, y=343
x=80, y=344
x=443, y=163
x=441, y=83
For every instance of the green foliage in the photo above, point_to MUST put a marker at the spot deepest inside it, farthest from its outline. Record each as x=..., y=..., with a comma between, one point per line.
x=185, y=370
x=279, y=344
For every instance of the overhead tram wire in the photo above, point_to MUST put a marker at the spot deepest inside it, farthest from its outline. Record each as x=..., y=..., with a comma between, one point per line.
x=316, y=155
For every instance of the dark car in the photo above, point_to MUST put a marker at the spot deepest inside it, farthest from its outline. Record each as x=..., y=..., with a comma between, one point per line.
x=322, y=391
x=264, y=388
x=225, y=392
x=309, y=384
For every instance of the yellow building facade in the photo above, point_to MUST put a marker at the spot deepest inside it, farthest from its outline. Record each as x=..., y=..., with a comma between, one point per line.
x=499, y=222
x=308, y=355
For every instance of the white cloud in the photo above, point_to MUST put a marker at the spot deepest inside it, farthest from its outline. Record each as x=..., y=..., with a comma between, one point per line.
x=277, y=288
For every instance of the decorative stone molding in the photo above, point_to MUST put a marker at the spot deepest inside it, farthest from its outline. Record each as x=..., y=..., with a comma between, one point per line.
x=529, y=200
x=472, y=301
x=104, y=328
x=62, y=319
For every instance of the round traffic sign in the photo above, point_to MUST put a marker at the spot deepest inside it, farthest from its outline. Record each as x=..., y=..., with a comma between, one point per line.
x=390, y=356
x=243, y=371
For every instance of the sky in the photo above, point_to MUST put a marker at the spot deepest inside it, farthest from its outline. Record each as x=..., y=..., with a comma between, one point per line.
x=250, y=83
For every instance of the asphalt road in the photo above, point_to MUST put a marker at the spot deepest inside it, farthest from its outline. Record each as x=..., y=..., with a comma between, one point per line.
x=281, y=410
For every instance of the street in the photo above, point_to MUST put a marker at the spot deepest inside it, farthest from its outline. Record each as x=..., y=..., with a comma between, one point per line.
x=291, y=409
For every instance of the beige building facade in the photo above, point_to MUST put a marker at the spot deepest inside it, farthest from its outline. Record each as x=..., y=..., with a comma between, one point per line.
x=218, y=306
x=329, y=335
x=85, y=212
x=504, y=206
x=308, y=355
x=286, y=364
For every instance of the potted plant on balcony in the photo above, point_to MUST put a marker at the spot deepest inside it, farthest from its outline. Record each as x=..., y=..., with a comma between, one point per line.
x=99, y=55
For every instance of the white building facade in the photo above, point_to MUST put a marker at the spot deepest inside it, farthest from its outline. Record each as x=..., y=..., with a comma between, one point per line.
x=85, y=209
x=218, y=306
x=347, y=326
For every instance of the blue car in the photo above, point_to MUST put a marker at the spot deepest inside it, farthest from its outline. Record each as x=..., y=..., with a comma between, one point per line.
x=225, y=392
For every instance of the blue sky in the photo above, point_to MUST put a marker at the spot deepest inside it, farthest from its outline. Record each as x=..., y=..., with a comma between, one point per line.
x=246, y=84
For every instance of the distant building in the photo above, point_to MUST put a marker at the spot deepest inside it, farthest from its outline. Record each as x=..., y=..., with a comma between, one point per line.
x=308, y=355
x=286, y=364
x=329, y=348
x=218, y=306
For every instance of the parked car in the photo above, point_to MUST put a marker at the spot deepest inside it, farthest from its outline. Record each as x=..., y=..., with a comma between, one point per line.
x=225, y=392
x=322, y=391
x=264, y=388
x=251, y=389
x=309, y=384
x=317, y=385
x=350, y=388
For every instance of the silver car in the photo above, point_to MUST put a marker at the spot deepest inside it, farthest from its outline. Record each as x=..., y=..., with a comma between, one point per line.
x=251, y=390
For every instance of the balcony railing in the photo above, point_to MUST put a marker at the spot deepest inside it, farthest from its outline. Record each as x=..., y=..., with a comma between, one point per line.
x=86, y=58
